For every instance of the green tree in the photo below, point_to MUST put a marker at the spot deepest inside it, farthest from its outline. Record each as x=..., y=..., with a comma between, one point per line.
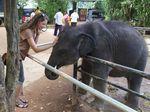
x=127, y=10
x=51, y=6
x=114, y=9
x=21, y=4
x=100, y=5
x=143, y=11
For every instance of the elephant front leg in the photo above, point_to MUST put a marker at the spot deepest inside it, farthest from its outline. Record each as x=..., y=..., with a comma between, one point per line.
x=86, y=80
x=100, y=86
x=86, y=66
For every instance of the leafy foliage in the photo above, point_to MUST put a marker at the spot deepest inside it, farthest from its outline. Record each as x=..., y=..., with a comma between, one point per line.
x=136, y=11
x=143, y=11
x=100, y=5
x=50, y=7
x=21, y=4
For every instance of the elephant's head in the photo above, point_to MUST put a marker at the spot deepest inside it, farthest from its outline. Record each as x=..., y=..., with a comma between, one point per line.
x=72, y=44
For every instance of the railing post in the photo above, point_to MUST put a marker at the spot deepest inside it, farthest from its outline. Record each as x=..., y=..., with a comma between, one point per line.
x=75, y=70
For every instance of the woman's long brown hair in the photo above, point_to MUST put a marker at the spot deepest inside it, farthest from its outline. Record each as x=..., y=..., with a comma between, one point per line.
x=31, y=24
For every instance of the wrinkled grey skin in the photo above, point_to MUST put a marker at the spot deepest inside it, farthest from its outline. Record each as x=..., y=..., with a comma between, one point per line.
x=113, y=41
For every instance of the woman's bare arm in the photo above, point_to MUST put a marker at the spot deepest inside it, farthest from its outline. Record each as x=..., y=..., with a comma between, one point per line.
x=37, y=48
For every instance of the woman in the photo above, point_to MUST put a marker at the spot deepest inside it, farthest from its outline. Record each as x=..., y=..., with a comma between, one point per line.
x=29, y=34
x=66, y=19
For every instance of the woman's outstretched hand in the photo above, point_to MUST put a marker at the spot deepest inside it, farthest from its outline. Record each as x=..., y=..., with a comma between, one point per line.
x=55, y=41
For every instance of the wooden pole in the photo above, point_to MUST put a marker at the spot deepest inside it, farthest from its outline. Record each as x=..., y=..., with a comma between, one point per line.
x=12, y=65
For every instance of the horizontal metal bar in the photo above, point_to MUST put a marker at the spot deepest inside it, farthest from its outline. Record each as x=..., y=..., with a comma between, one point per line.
x=100, y=95
x=143, y=28
x=51, y=43
x=44, y=44
x=122, y=88
x=118, y=66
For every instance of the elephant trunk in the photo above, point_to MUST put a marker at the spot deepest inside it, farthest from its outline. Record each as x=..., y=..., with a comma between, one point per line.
x=49, y=74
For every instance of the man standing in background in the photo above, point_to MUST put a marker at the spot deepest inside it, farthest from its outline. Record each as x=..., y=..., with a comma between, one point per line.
x=58, y=22
x=74, y=18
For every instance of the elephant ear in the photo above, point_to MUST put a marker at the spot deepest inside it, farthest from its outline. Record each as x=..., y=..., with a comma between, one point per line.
x=86, y=44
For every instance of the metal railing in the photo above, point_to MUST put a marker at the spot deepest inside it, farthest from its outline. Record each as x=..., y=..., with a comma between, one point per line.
x=100, y=95
x=119, y=67
x=116, y=66
x=142, y=28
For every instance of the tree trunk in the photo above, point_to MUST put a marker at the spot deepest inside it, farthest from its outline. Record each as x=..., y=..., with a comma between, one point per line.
x=12, y=68
x=3, y=103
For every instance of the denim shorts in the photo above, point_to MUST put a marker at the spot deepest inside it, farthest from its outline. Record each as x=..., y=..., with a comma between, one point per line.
x=21, y=74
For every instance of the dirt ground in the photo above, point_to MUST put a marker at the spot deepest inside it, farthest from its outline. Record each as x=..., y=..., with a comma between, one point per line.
x=56, y=96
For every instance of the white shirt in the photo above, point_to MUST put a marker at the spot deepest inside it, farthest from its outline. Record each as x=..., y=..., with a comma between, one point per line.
x=74, y=17
x=59, y=18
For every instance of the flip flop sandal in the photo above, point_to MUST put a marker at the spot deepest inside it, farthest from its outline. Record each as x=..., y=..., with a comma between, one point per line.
x=23, y=100
x=21, y=105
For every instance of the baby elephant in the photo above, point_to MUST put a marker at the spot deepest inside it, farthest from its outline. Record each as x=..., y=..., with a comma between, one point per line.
x=113, y=41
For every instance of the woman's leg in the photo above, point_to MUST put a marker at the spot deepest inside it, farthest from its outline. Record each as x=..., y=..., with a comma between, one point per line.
x=20, y=101
x=19, y=86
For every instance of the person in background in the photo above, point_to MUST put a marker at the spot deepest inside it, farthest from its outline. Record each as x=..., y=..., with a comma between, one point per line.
x=66, y=19
x=29, y=35
x=89, y=15
x=74, y=18
x=58, y=22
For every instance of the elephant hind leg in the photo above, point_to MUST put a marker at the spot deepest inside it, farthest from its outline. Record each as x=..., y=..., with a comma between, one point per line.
x=134, y=84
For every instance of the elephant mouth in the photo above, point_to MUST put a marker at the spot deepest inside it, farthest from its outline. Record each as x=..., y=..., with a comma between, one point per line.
x=51, y=75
